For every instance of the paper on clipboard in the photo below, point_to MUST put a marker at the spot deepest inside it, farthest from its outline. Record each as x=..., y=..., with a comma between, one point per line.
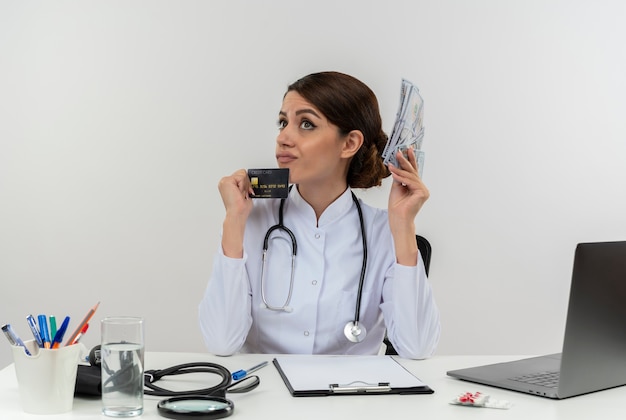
x=317, y=375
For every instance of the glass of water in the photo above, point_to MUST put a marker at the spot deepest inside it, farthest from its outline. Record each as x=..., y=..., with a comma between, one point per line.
x=122, y=349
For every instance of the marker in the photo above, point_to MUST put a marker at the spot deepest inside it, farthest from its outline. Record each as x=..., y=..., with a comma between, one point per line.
x=43, y=329
x=240, y=374
x=58, y=337
x=82, y=324
x=53, y=326
x=33, y=327
x=13, y=338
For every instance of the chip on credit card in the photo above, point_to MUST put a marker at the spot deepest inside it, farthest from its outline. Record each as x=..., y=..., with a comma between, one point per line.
x=269, y=183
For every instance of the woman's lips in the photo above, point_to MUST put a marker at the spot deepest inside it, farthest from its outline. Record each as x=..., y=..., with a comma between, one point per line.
x=285, y=157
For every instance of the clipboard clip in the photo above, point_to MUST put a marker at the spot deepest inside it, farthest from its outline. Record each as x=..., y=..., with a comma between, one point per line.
x=359, y=387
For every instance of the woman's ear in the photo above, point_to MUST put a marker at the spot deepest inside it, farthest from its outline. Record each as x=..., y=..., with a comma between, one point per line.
x=354, y=141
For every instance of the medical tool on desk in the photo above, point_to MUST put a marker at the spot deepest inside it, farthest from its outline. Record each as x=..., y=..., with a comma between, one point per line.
x=209, y=403
x=205, y=403
x=353, y=330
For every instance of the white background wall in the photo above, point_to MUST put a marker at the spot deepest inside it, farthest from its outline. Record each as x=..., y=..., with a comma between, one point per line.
x=118, y=118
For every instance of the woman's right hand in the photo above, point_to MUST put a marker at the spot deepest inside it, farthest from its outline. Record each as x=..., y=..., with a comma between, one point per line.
x=235, y=190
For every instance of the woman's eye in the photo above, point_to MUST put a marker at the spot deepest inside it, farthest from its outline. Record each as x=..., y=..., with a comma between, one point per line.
x=281, y=124
x=307, y=125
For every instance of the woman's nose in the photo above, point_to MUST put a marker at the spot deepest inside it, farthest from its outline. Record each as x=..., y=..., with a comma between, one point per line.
x=284, y=138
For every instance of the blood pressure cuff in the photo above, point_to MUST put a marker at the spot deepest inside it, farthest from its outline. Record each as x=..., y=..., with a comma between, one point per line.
x=88, y=380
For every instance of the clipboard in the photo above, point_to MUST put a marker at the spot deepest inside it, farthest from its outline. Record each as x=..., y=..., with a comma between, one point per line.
x=324, y=375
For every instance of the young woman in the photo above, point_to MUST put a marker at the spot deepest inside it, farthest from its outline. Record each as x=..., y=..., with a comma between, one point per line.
x=330, y=137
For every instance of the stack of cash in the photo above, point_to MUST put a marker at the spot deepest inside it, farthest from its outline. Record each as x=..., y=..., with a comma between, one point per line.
x=408, y=130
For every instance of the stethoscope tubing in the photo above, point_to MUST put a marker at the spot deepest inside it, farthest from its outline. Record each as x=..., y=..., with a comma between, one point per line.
x=294, y=252
x=357, y=310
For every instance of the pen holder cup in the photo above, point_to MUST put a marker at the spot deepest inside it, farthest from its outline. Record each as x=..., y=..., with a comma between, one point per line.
x=46, y=378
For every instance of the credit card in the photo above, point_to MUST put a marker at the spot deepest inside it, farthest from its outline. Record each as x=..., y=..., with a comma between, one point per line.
x=269, y=183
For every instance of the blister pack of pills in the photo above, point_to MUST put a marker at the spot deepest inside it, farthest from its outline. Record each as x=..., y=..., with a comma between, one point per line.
x=478, y=399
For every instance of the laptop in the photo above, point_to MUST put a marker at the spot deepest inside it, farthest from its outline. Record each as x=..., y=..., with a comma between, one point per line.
x=593, y=357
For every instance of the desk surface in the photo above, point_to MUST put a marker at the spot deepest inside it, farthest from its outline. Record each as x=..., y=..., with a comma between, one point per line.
x=271, y=398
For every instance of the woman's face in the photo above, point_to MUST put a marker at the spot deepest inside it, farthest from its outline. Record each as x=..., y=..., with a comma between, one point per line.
x=308, y=144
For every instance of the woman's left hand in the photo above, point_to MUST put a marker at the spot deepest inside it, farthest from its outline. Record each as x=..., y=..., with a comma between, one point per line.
x=408, y=195
x=408, y=192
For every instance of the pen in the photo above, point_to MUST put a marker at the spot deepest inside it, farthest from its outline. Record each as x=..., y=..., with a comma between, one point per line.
x=33, y=327
x=43, y=329
x=82, y=324
x=240, y=374
x=13, y=338
x=58, y=337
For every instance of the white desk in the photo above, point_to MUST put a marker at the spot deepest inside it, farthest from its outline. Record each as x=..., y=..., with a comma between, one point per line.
x=272, y=400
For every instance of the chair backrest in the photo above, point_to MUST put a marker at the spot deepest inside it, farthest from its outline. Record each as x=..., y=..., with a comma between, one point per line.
x=425, y=251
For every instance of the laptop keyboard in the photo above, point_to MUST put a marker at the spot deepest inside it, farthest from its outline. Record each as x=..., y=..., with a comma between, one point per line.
x=547, y=379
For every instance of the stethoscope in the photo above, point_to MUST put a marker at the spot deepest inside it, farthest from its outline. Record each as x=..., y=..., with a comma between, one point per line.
x=207, y=403
x=353, y=330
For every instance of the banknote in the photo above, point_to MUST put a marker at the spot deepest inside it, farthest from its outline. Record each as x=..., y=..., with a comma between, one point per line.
x=408, y=129
x=419, y=157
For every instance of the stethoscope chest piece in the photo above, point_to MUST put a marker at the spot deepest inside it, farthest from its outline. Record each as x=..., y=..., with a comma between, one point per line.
x=197, y=407
x=355, y=332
